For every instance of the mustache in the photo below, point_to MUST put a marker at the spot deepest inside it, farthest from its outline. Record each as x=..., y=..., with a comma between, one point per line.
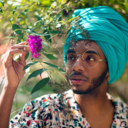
x=80, y=74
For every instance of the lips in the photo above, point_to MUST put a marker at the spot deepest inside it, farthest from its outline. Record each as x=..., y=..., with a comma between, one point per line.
x=77, y=79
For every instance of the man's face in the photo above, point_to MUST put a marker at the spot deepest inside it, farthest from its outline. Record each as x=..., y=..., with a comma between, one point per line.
x=84, y=79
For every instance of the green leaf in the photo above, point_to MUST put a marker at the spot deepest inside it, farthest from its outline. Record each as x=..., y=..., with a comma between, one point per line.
x=54, y=66
x=45, y=44
x=72, y=19
x=60, y=69
x=46, y=3
x=40, y=84
x=15, y=9
x=15, y=27
x=44, y=49
x=57, y=17
x=28, y=31
x=20, y=38
x=11, y=36
x=2, y=2
x=44, y=28
x=1, y=10
x=36, y=73
x=38, y=17
x=22, y=14
x=30, y=64
x=50, y=56
x=126, y=6
x=39, y=34
x=48, y=38
x=51, y=65
x=37, y=23
x=54, y=32
x=26, y=57
x=112, y=1
x=26, y=10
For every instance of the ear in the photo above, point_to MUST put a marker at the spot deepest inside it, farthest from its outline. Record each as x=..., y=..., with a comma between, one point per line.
x=107, y=76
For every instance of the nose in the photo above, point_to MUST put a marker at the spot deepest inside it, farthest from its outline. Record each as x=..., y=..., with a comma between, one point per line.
x=78, y=65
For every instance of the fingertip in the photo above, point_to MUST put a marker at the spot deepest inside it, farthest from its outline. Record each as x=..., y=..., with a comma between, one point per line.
x=23, y=43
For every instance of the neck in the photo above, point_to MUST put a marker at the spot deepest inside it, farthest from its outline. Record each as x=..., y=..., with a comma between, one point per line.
x=95, y=103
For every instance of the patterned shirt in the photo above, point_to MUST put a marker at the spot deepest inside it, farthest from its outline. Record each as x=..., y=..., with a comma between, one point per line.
x=46, y=112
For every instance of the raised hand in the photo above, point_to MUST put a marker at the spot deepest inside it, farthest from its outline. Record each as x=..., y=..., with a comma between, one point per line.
x=14, y=70
x=13, y=74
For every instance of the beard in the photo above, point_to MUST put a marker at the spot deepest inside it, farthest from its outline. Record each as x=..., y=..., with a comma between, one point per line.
x=95, y=83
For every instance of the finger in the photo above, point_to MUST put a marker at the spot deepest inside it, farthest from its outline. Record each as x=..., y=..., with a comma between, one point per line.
x=8, y=56
x=22, y=43
x=22, y=58
x=21, y=47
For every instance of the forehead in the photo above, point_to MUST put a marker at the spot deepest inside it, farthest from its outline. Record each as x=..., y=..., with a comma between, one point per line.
x=82, y=45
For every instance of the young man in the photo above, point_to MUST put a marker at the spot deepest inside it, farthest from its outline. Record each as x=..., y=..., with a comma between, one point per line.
x=94, y=56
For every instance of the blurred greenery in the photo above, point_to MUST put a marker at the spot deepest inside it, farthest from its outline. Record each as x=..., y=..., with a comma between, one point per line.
x=50, y=19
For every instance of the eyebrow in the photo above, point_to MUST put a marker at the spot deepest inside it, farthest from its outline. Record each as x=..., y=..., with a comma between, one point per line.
x=90, y=51
x=93, y=52
x=71, y=51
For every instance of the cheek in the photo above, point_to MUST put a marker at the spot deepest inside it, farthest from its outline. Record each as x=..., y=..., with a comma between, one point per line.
x=98, y=70
x=68, y=70
x=93, y=73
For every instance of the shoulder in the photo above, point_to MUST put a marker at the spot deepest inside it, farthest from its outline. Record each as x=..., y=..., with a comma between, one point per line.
x=121, y=113
x=121, y=107
x=46, y=100
x=121, y=110
x=118, y=104
x=42, y=102
x=35, y=110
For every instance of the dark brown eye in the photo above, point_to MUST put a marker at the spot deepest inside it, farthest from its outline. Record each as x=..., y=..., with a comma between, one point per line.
x=90, y=58
x=70, y=58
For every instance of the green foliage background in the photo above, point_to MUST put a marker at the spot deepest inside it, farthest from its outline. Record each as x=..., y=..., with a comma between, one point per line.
x=50, y=19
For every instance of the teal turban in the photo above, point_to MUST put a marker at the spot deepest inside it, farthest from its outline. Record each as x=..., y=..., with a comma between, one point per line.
x=109, y=30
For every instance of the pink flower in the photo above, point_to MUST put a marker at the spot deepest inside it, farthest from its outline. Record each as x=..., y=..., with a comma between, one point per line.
x=35, y=45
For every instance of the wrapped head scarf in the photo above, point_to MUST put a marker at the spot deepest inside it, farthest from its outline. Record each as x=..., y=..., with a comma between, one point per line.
x=109, y=30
